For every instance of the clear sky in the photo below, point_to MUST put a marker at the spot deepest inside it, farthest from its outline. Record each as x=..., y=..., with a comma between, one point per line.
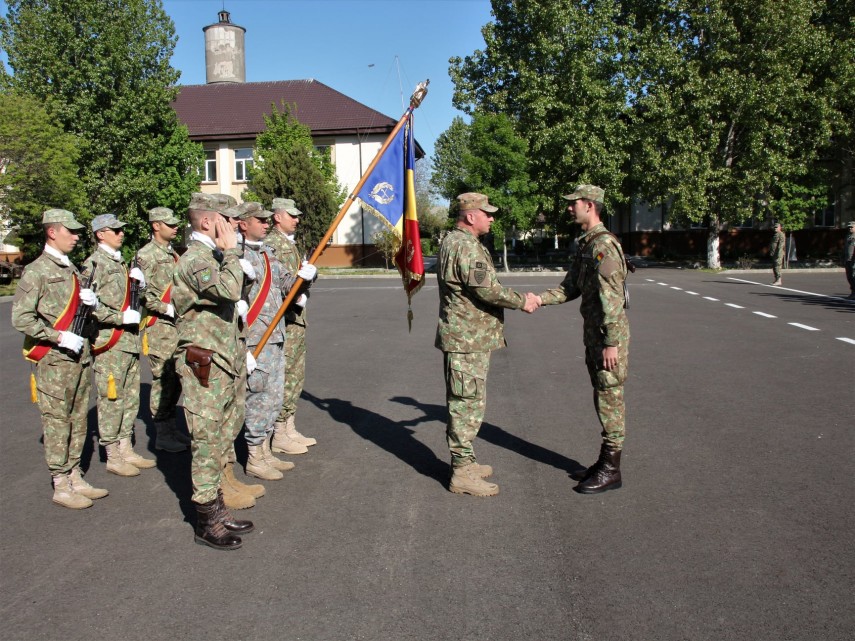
x=350, y=45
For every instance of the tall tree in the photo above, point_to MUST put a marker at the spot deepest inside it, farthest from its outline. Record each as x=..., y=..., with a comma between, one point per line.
x=449, y=176
x=38, y=169
x=102, y=69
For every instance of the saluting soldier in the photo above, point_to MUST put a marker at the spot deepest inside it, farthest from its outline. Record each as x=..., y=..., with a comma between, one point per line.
x=472, y=305
x=47, y=299
x=286, y=217
x=777, y=251
x=160, y=339
x=210, y=357
x=597, y=274
x=116, y=348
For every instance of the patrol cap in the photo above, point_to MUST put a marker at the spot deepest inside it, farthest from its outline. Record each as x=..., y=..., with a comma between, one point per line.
x=251, y=210
x=202, y=202
x=473, y=200
x=224, y=201
x=588, y=192
x=106, y=221
x=63, y=216
x=286, y=204
x=163, y=215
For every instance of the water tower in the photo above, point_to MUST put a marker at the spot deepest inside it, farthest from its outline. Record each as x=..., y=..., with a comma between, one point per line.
x=225, y=55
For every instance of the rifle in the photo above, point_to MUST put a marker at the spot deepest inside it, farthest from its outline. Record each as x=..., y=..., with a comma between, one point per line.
x=83, y=311
x=135, y=287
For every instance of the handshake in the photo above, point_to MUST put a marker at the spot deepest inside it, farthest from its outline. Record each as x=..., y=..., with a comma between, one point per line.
x=532, y=302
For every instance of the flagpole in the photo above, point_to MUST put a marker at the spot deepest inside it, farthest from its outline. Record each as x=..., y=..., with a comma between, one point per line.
x=415, y=100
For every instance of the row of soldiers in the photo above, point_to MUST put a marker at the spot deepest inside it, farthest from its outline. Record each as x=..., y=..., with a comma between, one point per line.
x=198, y=318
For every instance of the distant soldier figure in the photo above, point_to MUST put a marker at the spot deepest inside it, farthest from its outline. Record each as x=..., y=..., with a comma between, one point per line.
x=597, y=274
x=116, y=347
x=210, y=358
x=160, y=339
x=286, y=217
x=849, y=258
x=472, y=305
x=47, y=299
x=777, y=252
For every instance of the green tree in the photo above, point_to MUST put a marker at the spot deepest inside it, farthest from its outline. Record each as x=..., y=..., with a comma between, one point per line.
x=38, y=168
x=449, y=176
x=388, y=243
x=102, y=69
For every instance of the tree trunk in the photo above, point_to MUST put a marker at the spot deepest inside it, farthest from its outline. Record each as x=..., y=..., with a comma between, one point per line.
x=507, y=268
x=713, y=260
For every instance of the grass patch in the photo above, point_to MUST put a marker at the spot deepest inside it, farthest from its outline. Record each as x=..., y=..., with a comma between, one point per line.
x=8, y=290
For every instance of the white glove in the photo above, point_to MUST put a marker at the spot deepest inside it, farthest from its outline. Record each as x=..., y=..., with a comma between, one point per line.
x=302, y=300
x=247, y=268
x=242, y=309
x=136, y=274
x=170, y=311
x=307, y=271
x=88, y=297
x=70, y=341
x=250, y=363
x=130, y=317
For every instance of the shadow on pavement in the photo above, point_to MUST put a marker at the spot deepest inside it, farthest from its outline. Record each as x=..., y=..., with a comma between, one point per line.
x=827, y=303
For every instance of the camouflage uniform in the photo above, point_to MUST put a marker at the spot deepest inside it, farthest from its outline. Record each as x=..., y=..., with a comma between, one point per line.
x=62, y=378
x=266, y=384
x=849, y=259
x=471, y=321
x=776, y=252
x=122, y=361
x=157, y=263
x=597, y=274
x=206, y=286
x=295, y=327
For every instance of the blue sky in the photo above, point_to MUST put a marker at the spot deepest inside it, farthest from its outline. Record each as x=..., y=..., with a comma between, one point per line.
x=350, y=45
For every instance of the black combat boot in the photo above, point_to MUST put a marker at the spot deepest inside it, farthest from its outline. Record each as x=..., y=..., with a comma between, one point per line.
x=584, y=475
x=210, y=531
x=604, y=475
x=229, y=522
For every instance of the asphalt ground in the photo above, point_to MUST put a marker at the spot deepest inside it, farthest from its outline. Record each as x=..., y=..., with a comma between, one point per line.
x=735, y=520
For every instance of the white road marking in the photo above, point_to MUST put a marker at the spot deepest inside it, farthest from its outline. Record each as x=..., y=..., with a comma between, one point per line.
x=786, y=289
x=715, y=300
x=650, y=280
x=765, y=315
x=846, y=340
x=663, y=284
x=679, y=289
x=734, y=306
x=807, y=327
x=692, y=293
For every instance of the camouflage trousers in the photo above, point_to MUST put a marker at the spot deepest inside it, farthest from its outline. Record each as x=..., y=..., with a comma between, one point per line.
x=777, y=267
x=295, y=369
x=165, y=387
x=608, y=392
x=264, y=389
x=116, y=416
x=63, y=388
x=466, y=398
x=210, y=413
x=850, y=275
x=236, y=421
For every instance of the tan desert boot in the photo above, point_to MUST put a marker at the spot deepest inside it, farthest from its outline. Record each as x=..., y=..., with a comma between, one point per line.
x=294, y=435
x=465, y=480
x=118, y=465
x=80, y=486
x=258, y=467
x=482, y=471
x=233, y=498
x=272, y=461
x=127, y=452
x=284, y=443
x=255, y=490
x=64, y=494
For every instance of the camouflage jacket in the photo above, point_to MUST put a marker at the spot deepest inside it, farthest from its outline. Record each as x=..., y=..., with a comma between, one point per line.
x=281, y=281
x=110, y=283
x=849, y=249
x=41, y=297
x=597, y=274
x=204, y=294
x=472, y=302
x=157, y=263
x=776, y=249
x=289, y=255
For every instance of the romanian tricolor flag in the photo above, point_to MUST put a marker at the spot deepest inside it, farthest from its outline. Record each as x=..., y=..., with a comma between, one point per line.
x=390, y=194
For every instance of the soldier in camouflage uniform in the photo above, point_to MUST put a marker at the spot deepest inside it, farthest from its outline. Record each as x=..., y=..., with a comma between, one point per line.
x=287, y=439
x=849, y=258
x=597, y=274
x=116, y=348
x=206, y=287
x=157, y=261
x=471, y=320
x=265, y=384
x=46, y=300
x=777, y=251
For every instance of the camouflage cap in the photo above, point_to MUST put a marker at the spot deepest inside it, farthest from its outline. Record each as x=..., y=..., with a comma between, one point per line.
x=163, y=215
x=202, y=202
x=850, y=224
x=63, y=216
x=473, y=200
x=286, y=204
x=224, y=201
x=106, y=221
x=251, y=210
x=587, y=192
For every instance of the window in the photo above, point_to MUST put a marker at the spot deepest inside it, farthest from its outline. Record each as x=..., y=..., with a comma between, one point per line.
x=824, y=217
x=243, y=163
x=210, y=166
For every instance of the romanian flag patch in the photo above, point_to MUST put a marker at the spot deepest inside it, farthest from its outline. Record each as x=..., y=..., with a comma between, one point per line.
x=599, y=258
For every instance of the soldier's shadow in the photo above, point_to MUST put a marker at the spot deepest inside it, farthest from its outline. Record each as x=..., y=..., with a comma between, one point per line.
x=499, y=437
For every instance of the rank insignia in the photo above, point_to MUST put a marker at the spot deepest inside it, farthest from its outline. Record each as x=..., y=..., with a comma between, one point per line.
x=480, y=275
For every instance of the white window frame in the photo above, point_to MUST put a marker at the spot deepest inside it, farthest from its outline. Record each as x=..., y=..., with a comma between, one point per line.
x=242, y=165
x=210, y=170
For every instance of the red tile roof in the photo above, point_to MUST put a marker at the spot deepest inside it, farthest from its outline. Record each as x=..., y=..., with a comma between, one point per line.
x=235, y=110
